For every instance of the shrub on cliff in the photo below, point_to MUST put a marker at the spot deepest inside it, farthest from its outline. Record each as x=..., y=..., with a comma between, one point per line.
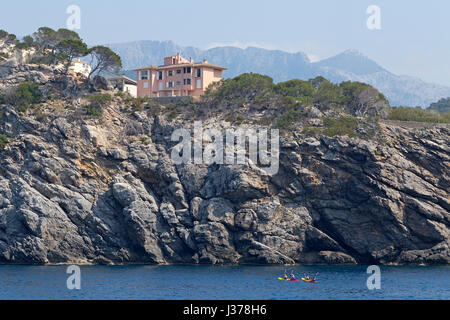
x=295, y=88
x=97, y=102
x=26, y=43
x=285, y=120
x=344, y=126
x=418, y=114
x=25, y=95
x=3, y=141
x=246, y=86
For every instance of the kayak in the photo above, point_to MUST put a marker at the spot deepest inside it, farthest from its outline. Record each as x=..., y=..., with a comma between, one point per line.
x=306, y=280
x=282, y=279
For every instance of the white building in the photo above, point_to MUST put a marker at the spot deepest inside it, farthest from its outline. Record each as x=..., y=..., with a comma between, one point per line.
x=124, y=84
x=79, y=67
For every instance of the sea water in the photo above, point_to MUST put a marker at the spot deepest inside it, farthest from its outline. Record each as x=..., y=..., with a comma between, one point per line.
x=223, y=282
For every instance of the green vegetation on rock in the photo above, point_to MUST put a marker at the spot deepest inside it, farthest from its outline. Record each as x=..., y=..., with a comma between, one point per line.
x=418, y=114
x=96, y=104
x=257, y=88
x=287, y=119
x=344, y=126
x=25, y=96
x=3, y=141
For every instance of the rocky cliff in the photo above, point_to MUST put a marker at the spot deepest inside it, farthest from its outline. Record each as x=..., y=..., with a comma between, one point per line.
x=80, y=189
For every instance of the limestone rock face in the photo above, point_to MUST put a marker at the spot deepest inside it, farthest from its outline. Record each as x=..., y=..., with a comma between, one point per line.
x=12, y=74
x=100, y=83
x=79, y=190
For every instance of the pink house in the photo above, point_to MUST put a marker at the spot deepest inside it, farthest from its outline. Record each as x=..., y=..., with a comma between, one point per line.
x=177, y=77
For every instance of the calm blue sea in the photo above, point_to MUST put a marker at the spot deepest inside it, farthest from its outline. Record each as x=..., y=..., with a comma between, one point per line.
x=211, y=282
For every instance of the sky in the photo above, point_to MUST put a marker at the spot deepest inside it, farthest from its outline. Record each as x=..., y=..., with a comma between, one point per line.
x=414, y=38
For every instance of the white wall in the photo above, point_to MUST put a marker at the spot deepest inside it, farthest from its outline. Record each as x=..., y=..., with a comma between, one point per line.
x=131, y=89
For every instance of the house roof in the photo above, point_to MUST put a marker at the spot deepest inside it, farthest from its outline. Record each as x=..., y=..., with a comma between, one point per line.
x=125, y=78
x=181, y=65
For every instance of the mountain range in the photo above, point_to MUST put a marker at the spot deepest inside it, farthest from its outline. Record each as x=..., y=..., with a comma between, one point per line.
x=349, y=65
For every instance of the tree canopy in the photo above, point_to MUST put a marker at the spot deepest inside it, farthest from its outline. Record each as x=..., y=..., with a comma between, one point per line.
x=104, y=59
x=7, y=38
x=63, y=46
x=69, y=49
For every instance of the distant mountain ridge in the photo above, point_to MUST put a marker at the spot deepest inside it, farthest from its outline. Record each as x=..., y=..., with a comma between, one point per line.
x=281, y=66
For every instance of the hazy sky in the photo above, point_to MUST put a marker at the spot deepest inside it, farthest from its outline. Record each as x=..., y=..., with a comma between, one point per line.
x=414, y=38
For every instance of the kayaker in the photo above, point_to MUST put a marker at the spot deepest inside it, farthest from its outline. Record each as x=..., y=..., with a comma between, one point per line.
x=292, y=276
x=285, y=277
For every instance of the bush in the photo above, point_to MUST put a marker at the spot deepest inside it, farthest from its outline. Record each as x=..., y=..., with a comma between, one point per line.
x=344, y=126
x=247, y=85
x=145, y=140
x=418, y=114
x=3, y=141
x=26, y=95
x=122, y=94
x=94, y=111
x=97, y=103
x=137, y=104
x=155, y=109
x=286, y=119
x=295, y=88
x=350, y=88
x=239, y=119
x=312, y=131
x=172, y=114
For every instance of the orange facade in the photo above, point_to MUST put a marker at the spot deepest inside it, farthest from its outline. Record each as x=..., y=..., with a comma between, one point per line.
x=177, y=77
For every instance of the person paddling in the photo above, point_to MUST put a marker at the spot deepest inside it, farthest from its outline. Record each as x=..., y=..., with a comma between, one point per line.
x=292, y=276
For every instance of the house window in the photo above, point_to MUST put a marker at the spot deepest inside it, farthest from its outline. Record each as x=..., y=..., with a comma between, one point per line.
x=160, y=86
x=199, y=84
x=160, y=75
x=188, y=70
x=145, y=84
x=184, y=81
x=170, y=73
x=178, y=83
x=199, y=73
x=178, y=71
x=143, y=75
x=188, y=81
